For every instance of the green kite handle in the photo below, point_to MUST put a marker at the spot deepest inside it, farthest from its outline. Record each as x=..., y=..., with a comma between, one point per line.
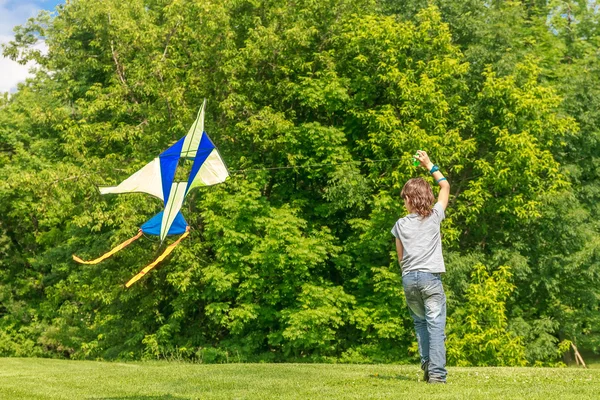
x=415, y=161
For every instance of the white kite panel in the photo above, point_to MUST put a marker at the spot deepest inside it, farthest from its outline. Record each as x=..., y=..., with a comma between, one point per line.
x=172, y=207
x=212, y=171
x=192, y=139
x=145, y=180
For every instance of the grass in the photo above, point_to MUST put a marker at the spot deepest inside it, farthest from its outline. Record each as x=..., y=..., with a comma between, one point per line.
x=57, y=379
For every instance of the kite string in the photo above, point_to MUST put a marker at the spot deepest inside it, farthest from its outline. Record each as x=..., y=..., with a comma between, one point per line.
x=242, y=171
x=313, y=165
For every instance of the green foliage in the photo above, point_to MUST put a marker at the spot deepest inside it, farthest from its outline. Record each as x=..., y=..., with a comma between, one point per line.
x=477, y=332
x=298, y=263
x=313, y=326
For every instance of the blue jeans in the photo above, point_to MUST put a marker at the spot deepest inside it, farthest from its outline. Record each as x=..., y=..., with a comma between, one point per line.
x=427, y=306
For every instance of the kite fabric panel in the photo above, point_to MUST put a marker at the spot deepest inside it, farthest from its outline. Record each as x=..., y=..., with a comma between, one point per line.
x=172, y=207
x=192, y=139
x=211, y=172
x=205, y=147
x=169, y=159
x=145, y=180
x=153, y=225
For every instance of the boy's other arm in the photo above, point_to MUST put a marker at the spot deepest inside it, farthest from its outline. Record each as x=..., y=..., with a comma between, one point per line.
x=399, y=250
x=437, y=175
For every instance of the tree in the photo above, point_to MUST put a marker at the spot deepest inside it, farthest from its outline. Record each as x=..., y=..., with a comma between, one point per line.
x=317, y=111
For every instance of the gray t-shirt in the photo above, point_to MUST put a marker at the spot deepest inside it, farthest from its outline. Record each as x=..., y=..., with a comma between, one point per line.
x=422, y=241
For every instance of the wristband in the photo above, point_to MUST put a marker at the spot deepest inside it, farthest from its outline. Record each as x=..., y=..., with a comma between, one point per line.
x=441, y=179
x=434, y=168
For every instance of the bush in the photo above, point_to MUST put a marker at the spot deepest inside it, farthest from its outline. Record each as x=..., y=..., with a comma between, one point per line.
x=478, y=332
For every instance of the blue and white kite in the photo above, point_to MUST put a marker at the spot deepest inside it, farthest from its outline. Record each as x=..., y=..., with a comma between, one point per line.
x=158, y=179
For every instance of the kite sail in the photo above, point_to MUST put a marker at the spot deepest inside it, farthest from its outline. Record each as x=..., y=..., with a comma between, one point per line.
x=158, y=179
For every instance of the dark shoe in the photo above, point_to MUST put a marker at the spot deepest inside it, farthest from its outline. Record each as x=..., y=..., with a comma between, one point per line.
x=434, y=381
x=425, y=368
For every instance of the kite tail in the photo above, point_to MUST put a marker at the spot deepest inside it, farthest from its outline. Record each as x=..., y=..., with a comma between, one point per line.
x=167, y=251
x=110, y=253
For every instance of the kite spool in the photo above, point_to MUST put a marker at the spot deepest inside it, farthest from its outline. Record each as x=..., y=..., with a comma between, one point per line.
x=416, y=162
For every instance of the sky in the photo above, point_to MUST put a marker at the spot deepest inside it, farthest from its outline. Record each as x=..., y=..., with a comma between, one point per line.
x=12, y=13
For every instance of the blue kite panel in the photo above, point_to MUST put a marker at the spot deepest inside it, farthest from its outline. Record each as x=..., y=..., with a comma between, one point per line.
x=152, y=226
x=168, y=164
x=204, y=149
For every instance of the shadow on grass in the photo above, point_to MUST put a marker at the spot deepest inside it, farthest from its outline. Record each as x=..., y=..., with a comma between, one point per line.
x=393, y=377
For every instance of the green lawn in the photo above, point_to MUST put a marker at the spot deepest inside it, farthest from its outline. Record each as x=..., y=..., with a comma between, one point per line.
x=56, y=379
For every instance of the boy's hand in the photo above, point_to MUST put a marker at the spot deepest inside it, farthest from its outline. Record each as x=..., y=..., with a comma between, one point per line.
x=424, y=160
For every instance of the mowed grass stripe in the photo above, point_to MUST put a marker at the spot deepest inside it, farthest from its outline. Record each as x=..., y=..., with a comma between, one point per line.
x=59, y=379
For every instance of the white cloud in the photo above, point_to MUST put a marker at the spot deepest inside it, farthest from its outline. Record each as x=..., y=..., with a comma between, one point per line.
x=11, y=74
x=12, y=13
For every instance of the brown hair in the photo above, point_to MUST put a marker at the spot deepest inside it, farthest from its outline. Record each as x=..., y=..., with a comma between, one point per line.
x=419, y=195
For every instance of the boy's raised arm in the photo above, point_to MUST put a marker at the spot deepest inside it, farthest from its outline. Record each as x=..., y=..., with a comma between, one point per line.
x=437, y=175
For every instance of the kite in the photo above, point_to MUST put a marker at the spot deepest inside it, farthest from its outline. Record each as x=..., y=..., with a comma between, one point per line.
x=158, y=179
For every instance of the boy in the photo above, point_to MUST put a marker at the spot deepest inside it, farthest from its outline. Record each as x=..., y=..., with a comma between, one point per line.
x=419, y=247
